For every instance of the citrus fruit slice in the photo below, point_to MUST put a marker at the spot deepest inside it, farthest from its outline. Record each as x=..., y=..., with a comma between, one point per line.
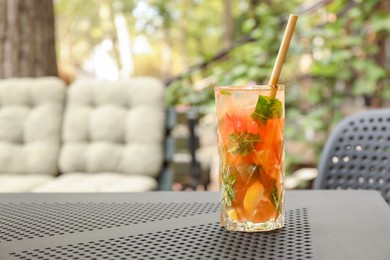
x=232, y=214
x=257, y=206
x=253, y=196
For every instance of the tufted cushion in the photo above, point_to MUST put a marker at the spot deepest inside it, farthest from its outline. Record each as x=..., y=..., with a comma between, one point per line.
x=98, y=182
x=30, y=125
x=114, y=127
x=23, y=183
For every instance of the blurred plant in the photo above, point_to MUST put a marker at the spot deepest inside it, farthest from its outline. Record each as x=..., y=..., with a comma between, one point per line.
x=337, y=64
x=347, y=73
x=338, y=61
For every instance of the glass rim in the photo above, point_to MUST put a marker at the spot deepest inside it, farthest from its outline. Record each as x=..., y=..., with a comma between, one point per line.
x=249, y=87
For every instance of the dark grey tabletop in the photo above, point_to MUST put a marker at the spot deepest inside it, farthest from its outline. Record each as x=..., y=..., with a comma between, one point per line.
x=185, y=225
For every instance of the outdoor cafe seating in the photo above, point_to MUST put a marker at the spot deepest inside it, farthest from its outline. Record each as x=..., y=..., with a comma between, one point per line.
x=357, y=154
x=58, y=222
x=91, y=136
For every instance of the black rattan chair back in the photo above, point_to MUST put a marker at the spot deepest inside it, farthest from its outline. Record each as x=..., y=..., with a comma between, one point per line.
x=357, y=154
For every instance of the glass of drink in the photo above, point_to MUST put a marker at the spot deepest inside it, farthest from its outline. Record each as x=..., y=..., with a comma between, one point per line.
x=251, y=154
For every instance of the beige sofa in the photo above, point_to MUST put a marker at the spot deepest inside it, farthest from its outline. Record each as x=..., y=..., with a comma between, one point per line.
x=92, y=136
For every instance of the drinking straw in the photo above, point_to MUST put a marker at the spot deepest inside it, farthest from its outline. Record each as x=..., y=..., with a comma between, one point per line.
x=292, y=21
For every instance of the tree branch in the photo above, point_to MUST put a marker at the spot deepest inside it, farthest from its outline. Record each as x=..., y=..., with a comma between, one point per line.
x=302, y=9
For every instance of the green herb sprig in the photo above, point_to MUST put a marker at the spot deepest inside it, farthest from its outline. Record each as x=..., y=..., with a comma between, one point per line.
x=266, y=108
x=228, y=181
x=242, y=143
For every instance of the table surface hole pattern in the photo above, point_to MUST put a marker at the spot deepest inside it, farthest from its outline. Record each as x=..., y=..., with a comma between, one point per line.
x=31, y=220
x=206, y=241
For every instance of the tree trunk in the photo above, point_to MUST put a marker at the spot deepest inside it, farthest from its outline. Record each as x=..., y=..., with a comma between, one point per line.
x=183, y=43
x=166, y=60
x=108, y=19
x=27, y=40
x=229, y=23
x=382, y=41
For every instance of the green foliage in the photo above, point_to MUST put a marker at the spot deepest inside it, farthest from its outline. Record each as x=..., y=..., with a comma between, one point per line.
x=340, y=45
x=338, y=60
x=81, y=25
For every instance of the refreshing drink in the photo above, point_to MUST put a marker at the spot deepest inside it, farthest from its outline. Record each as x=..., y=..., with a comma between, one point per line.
x=251, y=154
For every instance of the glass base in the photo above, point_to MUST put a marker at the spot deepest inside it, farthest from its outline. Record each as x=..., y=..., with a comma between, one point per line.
x=248, y=226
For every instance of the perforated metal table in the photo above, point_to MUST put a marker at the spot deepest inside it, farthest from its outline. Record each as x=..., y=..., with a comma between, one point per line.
x=185, y=225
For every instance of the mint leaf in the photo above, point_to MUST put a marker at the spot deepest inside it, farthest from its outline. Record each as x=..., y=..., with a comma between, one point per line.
x=242, y=143
x=228, y=181
x=224, y=92
x=230, y=193
x=266, y=108
x=275, y=196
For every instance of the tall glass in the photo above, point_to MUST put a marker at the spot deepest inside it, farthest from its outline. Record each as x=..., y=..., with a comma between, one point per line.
x=251, y=156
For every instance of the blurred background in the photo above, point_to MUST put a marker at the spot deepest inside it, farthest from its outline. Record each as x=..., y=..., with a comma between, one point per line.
x=338, y=62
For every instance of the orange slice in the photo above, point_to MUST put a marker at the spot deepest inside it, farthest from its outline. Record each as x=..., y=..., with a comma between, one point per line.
x=232, y=214
x=256, y=205
x=264, y=212
x=253, y=196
